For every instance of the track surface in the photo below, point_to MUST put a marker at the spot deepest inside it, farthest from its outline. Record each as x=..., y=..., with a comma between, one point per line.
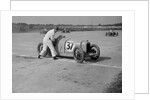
x=31, y=75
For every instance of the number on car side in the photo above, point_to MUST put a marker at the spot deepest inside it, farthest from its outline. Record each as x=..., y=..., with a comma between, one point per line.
x=69, y=45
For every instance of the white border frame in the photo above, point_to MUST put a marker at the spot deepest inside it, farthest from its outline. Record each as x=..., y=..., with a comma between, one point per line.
x=141, y=12
x=5, y=4
x=127, y=56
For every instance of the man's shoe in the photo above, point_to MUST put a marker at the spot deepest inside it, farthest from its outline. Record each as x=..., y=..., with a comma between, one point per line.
x=39, y=56
x=57, y=56
x=54, y=58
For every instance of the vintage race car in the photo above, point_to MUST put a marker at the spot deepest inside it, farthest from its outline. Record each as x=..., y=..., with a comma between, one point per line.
x=111, y=34
x=66, y=31
x=69, y=47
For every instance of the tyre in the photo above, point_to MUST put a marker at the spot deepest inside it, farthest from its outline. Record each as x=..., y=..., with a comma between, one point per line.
x=39, y=49
x=114, y=33
x=117, y=33
x=95, y=52
x=78, y=54
x=106, y=34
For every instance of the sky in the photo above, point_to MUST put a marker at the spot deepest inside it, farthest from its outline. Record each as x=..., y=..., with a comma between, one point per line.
x=75, y=20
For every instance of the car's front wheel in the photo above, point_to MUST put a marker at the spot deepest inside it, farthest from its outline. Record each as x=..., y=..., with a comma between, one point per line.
x=78, y=54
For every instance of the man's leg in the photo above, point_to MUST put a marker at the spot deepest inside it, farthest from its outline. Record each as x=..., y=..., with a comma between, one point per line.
x=43, y=50
x=50, y=45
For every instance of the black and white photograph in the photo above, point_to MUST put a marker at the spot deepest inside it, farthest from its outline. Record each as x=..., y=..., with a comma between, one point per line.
x=66, y=54
x=74, y=49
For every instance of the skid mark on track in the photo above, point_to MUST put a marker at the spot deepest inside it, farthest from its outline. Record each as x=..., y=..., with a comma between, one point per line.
x=68, y=60
x=25, y=56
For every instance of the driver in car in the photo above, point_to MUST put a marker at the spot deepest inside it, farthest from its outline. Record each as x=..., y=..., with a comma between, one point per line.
x=48, y=42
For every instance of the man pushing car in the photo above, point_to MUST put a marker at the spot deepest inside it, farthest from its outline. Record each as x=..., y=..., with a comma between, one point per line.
x=48, y=42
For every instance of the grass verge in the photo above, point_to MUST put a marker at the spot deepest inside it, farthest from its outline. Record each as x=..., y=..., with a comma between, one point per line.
x=115, y=86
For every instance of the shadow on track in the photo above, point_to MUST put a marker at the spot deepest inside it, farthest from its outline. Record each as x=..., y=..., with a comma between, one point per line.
x=104, y=58
x=88, y=59
x=67, y=57
x=98, y=60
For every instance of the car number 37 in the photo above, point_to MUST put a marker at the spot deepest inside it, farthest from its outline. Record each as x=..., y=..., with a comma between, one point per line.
x=69, y=45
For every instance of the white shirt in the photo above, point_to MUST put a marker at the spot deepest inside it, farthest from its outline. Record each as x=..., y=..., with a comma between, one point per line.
x=50, y=34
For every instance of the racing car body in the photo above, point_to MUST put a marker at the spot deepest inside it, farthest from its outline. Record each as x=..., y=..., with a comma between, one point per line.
x=65, y=31
x=70, y=47
x=111, y=33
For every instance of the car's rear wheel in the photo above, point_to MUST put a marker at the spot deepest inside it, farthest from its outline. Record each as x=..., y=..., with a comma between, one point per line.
x=39, y=49
x=95, y=52
x=78, y=54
